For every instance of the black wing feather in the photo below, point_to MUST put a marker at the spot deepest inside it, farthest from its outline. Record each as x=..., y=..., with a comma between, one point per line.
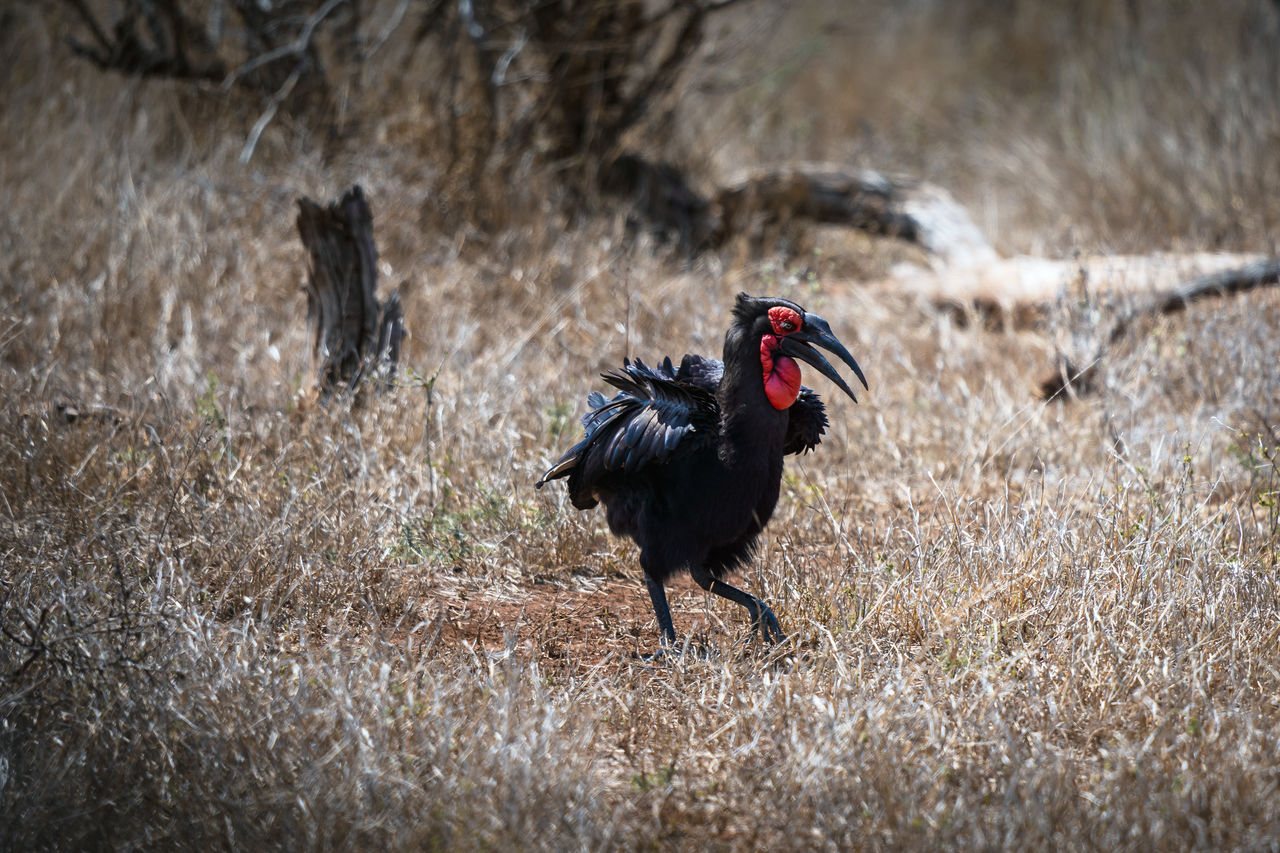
x=658, y=413
x=653, y=417
x=807, y=423
x=700, y=372
x=808, y=416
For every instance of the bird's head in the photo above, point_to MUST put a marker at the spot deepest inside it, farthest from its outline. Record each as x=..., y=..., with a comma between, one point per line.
x=786, y=332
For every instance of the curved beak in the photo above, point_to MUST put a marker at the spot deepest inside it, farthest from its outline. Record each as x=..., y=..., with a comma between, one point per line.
x=816, y=331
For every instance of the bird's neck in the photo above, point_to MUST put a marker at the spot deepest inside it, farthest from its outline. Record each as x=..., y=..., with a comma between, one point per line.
x=748, y=420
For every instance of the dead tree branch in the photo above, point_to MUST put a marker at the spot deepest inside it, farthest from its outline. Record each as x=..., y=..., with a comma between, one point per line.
x=166, y=38
x=1071, y=379
x=767, y=202
x=151, y=38
x=298, y=49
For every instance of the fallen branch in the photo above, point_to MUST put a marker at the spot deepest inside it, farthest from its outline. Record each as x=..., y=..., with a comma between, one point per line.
x=916, y=212
x=772, y=199
x=1071, y=379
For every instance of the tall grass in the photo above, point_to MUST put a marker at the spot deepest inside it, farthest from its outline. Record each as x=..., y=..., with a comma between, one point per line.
x=1101, y=125
x=230, y=620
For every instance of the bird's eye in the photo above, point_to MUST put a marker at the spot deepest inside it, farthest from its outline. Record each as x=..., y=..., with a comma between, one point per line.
x=784, y=320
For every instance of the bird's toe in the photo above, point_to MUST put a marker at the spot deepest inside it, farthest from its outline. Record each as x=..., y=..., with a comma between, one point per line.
x=770, y=628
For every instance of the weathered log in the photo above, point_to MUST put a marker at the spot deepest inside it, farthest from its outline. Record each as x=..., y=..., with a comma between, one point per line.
x=859, y=199
x=1082, y=380
x=353, y=335
x=916, y=212
x=764, y=201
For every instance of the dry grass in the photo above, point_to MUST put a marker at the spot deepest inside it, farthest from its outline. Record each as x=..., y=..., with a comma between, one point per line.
x=1123, y=126
x=230, y=622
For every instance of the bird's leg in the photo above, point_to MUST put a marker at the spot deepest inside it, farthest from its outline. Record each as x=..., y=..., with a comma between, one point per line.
x=762, y=617
x=659, y=598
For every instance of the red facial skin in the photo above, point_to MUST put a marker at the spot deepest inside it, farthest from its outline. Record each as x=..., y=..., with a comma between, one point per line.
x=784, y=320
x=781, y=374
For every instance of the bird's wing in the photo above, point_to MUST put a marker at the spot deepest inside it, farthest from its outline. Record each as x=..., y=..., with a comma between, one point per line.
x=654, y=417
x=700, y=372
x=806, y=424
x=808, y=416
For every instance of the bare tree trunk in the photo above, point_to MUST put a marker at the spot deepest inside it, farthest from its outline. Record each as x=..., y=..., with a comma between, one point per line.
x=353, y=334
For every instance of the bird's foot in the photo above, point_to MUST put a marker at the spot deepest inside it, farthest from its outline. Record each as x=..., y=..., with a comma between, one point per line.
x=768, y=626
x=667, y=648
x=661, y=655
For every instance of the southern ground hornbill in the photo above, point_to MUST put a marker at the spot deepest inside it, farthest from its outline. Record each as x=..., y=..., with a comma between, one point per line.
x=688, y=461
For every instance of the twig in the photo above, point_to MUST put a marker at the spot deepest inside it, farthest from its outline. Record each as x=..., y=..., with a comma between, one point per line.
x=393, y=24
x=246, y=154
x=294, y=48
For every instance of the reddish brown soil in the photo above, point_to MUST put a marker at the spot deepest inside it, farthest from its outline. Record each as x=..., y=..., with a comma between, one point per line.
x=579, y=623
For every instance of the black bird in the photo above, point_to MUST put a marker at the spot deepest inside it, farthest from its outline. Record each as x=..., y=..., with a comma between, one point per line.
x=688, y=461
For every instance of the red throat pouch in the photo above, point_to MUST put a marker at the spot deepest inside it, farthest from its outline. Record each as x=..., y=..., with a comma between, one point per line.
x=781, y=374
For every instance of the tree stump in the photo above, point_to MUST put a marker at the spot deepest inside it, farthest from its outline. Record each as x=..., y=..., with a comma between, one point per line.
x=354, y=336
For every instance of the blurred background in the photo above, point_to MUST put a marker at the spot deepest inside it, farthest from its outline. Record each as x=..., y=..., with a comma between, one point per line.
x=488, y=131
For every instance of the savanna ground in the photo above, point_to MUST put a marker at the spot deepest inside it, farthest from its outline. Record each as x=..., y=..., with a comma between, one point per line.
x=234, y=620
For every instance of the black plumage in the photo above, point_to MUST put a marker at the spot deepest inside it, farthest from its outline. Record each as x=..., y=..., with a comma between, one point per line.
x=688, y=460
